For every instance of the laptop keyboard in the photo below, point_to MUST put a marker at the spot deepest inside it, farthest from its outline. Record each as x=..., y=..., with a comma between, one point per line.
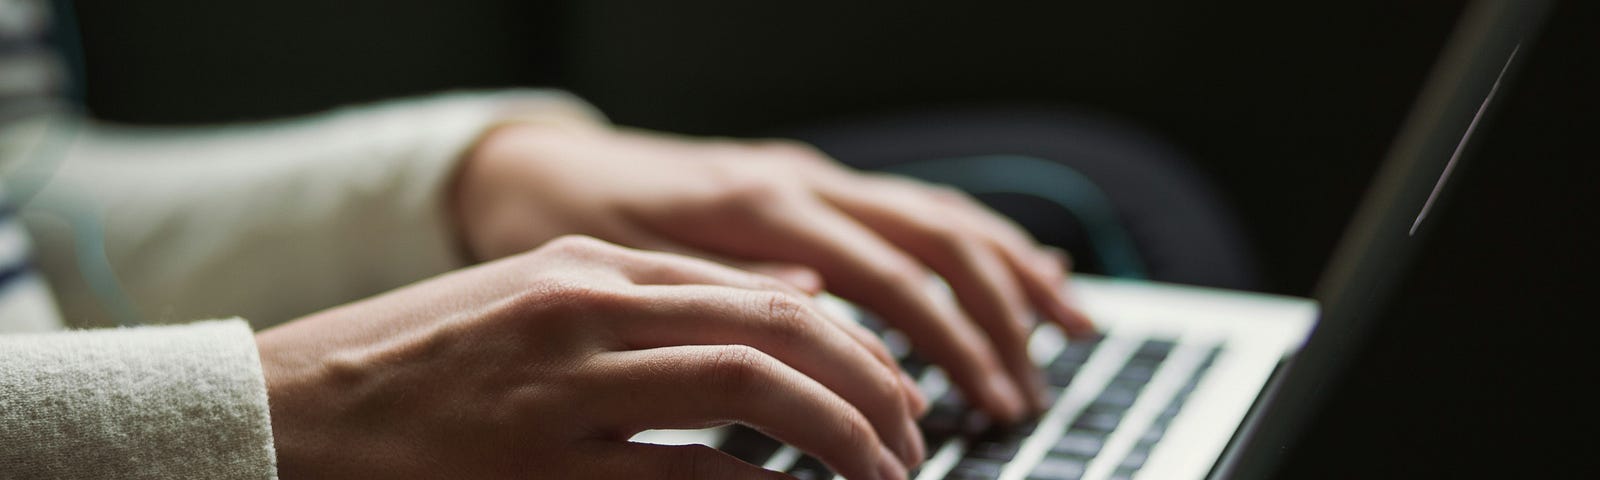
x=984, y=452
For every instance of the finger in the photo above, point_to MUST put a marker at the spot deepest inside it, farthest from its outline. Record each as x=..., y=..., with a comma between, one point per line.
x=696, y=386
x=862, y=267
x=978, y=275
x=1041, y=271
x=656, y=268
x=628, y=460
x=793, y=330
x=671, y=270
x=796, y=275
x=914, y=397
x=988, y=290
x=1048, y=293
x=799, y=276
x=645, y=267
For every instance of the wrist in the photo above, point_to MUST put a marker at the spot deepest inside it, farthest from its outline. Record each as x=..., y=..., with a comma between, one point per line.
x=307, y=392
x=496, y=196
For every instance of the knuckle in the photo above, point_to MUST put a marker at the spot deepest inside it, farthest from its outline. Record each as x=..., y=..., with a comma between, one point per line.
x=888, y=382
x=558, y=290
x=857, y=433
x=577, y=244
x=565, y=296
x=755, y=199
x=886, y=389
x=737, y=370
x=787, y=316
x=754, y=190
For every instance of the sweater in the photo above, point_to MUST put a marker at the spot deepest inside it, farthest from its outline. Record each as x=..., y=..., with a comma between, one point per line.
x=250, y=224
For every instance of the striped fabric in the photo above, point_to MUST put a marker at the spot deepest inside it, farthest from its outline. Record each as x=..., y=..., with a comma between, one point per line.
x=25, y=300
x=14, y=265
x=32, y=81
x=30, y=68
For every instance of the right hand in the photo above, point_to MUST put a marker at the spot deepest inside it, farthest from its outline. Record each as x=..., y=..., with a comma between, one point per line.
x=874, y=239
x=546, y=363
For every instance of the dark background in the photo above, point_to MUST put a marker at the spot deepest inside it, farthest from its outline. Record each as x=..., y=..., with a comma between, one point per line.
x=1287, y=107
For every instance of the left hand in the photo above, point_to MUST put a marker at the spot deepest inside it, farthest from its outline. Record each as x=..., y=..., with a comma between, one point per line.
x=791, y=212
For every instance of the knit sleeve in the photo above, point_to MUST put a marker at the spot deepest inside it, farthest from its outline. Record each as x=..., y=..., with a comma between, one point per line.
x=269, y=221
x=184, y=401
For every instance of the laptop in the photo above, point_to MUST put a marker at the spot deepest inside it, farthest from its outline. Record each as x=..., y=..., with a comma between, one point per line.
x=1190, y=382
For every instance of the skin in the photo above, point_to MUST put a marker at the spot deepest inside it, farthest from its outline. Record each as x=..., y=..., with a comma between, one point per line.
x=545, y=362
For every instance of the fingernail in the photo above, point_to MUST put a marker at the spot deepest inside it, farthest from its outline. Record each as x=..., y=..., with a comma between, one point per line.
x=1010, y=396
x=919, y=403
x=913, y=447
x=889, y=467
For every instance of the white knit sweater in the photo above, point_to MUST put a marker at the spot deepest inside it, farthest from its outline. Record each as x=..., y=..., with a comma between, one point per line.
x=265, y=222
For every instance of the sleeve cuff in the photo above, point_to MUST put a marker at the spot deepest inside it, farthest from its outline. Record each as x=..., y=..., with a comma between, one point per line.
x=318, y=211
x=431, y=135
x=186, y=401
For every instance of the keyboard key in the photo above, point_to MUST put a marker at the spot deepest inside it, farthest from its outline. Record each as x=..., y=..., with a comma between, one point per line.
x=898, y=344
x=1153, y=434
x=1170, y=411
x=1065, y=366
x=946, y=414
x=1059, y=467
x=747, y=444
x=950, y=417
x=1060, y=378
x=914, y=365
x=1211, y=357
x=1061, y=364
x=1154, y=349
x=871, y=322
x=1139, y=373
x=976, y=469
x=1079, y=443
x=1025, y=427
x=809, y=468
x=1183, y=393
x=1135, y=458
x=996, y=448
x=935, y=440
x=1097, y=420
x=1118, y=396
x=1076, y=351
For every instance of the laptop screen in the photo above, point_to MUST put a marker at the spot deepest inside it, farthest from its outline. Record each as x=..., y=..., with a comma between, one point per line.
x=1391, y=222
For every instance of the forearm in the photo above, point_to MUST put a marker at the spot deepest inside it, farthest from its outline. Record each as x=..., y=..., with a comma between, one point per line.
x=274, y=220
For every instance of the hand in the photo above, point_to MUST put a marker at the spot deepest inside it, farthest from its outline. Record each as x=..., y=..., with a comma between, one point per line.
x=872, y=238
x=545, y=364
